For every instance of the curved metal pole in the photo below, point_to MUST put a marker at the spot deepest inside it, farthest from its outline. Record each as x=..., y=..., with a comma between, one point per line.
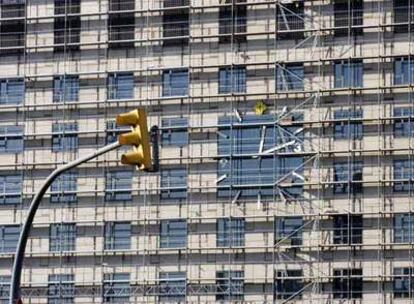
x=24, y=235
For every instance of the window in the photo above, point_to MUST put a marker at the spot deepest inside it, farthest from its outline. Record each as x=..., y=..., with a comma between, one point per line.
x=176, y=27
x=65, y=88
x=347, y=283
x=61, y=289
x=62, y=237
x=403, y=71
x=347, y=229
x=173, y=183
x=12, y=8
x=65, y=137
x=175, y=3
x=403, y=175
x=404, y=15
x=116, y=288
x=121, y=5
x=67, y=33
x=403, y=282
x=232, y=80
x=348, y=124
x=289, y=230
x=240, y=174
x=172, y=286
x=173, y=234
x=63, y=189
x=11, y=139
x=233, y=23
x=404, y=228
x=121, y=29
x=121, y=86
x=174, y=131
x=230, y=232
x=348, y=73
x=113, y=131
x=117, y=235
x=348, y=177
x=289, y=284
x=290, y=20
x=9, y=236
x=118, y=186
x=404, y=122
x=348, y=17
x=11, y=91
x=12, y=30
x=175, y=83
x=5, y=289
x=290, y=77
x=63, y=7
x=230, y=285
x=11, y=187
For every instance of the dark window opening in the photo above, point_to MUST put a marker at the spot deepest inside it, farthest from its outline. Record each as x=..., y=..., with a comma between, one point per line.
x=12, y=37
x=348, y=16
x=347, y=284
x=290, y=20
x=348, y=177
x=289, y=284
x=347, y=229
x=176, y=27
x=121, y=5
x=404, y=16
x=176, y=3
x=63, y=7
x=67, y=34
x=233, y=23
x=121, y=29
x=12, y=9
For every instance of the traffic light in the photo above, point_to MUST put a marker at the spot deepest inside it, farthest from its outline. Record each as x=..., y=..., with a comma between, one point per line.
x=138, y=137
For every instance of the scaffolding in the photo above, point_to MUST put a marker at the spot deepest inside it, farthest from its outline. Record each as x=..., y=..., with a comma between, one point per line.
x=315, y=195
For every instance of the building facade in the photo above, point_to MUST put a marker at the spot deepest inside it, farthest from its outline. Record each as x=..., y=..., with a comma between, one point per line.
x=286, y=150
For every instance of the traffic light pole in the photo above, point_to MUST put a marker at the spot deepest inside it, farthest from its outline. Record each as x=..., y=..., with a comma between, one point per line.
x=15, y=294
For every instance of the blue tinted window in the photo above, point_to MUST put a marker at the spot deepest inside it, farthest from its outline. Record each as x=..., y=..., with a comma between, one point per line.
x=113, y=131
x=289, y=230
x=290, y=77
x=117, y=235
x=65, y=137
x=121, y=86
x=174, y=183
x=403, y=71
x=65, y=88
x=230, y=232
x=172, y=286
x=62, y=237
x=11, y=139
x=404, y=122
x=12, y=91
x=9, y=236
x=289, y=284
x=11, y=189
x=404, y=228
x=348, y=177
x=118, y=186
x=349, y=125
x=230, y=285
x=63, y=189
x=174, y=131
x=116, y=288
x=61, y=289
x=403, y=282
x=175, y=83
x=250, y=176
x=348, y=74
x=232, y=80
x=403, y=175
x=173, y=234
x=4, y=288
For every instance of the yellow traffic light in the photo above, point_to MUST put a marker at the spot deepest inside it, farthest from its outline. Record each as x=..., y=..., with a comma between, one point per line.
x=138, y=138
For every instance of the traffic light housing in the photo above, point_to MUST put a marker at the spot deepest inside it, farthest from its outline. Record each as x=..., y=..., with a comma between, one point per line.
x=140, y=156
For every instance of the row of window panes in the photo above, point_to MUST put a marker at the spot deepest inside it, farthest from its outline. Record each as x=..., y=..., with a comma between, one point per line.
x=172, y=286
x=231, y=80
x=347, y=229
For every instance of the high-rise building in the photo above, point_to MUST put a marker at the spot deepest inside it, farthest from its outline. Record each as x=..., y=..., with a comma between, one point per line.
x=286, y=150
